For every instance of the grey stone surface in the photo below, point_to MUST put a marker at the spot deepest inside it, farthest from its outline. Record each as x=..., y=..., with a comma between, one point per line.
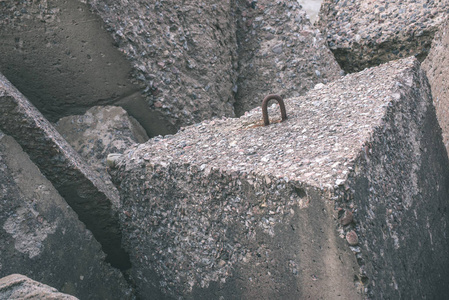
x=99, y=132
x=183, y=53
x=367, y=33
x=280, y=52
x=60, y=56
x=232, y=208
x=169, y=64
x=41, y=237
x=95, y=202
x=17, y=286
x=437, y=71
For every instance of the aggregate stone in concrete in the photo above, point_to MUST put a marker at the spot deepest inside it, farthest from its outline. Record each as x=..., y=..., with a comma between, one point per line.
x=100, y=131
x=347, y=198
x=280, y=52
x=367, y=33
x=16, y=286
x=437, y=71
x=95, y=202
x=41, y=237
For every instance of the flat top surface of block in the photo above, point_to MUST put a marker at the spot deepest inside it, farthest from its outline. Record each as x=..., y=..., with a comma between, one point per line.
x=325, y=131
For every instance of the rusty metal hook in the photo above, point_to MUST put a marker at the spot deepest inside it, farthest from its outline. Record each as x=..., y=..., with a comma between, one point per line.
x=278, y=98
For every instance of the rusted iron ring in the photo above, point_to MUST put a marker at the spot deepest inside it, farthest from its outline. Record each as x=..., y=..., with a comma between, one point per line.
x=265, y=101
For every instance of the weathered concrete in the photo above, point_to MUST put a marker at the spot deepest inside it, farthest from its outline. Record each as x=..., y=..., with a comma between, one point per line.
x=280, y=52
x=231, y=208
x=99, y=132
x=183, y=53
x=168, y=64
x=18, y=287
x=41, y=237
x=437, y=71
x=59, y=54
x=366, y=33
x=94, y=202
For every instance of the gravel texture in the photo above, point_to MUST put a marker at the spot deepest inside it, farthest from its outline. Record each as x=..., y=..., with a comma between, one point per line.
x=183, y=53
x=437, y=71
x=42, y=237
x=280, y=52
x=229, y=207
x=367, y=33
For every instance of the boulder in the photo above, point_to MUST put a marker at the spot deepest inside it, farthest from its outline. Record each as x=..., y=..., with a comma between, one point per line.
x=280, y=52
x=437, y=72
x=42, y=237
x=346, y=198
x=99, y=132
x=95, y=202
x=367, y=33
x=17, y=286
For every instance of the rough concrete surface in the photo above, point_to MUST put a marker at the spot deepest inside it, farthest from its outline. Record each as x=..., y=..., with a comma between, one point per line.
x=367, y=33
x=100, y=131
x=169, y=64
x=95, y=202
x=437, y=71
x=17, y=286
x=280, y=52
x=183, y=53
x=60, y=56
x=41, y=237
x=356, y=175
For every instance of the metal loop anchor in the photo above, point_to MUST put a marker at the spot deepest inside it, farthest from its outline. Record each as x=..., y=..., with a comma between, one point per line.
x=265, y=101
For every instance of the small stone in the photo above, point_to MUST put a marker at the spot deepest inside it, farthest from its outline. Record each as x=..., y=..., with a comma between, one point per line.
x=352, y=238
x=112, y=158
x=347, y=218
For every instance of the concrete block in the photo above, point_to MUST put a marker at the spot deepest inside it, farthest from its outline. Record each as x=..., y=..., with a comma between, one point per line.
x=346, y=198
x=95, y=202
x=437, y=72
x=42, y=238
x=367, y=33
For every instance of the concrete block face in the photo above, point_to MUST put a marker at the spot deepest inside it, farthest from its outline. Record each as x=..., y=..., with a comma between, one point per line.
x=17, y=286
x=329, y=202
x=95, y=202
x=280, y=52
x=367, y=33
x=41, y=237
x=438, y=73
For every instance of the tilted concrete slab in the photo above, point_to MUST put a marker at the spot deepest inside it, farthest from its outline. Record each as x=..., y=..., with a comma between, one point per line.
x=347, y=198
x=437, y=70
x=367, y=33
x=95, y=203
x=42, y=237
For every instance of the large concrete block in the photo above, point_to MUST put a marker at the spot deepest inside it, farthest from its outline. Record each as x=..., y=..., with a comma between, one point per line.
x=367, y=33
x=437, y=71
x=346, y=198
x=42, y=238
x=95, y=202
x=280, y=52
x=17, y=286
